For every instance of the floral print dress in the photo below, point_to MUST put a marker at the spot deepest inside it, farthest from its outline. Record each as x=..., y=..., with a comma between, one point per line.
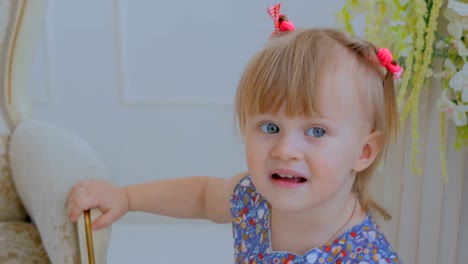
x=361, y=244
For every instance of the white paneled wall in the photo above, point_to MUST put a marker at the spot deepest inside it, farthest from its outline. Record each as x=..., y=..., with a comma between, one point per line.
x=150, y=84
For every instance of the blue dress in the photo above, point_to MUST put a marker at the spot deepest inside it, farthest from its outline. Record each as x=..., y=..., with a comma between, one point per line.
x=361, y=244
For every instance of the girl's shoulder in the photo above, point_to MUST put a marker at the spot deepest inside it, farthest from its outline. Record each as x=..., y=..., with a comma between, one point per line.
x=363, y=243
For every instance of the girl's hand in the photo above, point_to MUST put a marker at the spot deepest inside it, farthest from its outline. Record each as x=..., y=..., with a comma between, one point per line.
x=110, y=199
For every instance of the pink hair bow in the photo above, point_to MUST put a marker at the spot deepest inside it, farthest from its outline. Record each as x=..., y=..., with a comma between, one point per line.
x=280, y=20
x=387, y=61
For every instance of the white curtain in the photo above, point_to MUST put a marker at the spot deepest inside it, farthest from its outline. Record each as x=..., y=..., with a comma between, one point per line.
x=430, y=217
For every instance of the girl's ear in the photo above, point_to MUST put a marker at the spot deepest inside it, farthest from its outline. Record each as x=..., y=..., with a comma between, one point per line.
x=371, y=148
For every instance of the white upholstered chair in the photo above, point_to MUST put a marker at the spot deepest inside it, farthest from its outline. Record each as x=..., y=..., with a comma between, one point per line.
x=39, y=162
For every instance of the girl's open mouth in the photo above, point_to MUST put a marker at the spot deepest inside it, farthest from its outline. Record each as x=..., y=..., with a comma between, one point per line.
x=288, y=178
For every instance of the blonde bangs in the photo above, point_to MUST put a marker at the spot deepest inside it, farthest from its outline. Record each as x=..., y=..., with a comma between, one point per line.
x=286, y=73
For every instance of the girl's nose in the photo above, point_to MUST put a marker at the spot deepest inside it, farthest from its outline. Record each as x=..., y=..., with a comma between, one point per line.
x=287, y=148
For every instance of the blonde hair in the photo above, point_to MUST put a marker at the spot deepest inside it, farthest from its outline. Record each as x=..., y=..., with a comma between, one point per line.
x=287, y=72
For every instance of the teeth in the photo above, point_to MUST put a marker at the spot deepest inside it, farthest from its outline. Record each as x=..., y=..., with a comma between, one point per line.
x=287, y=176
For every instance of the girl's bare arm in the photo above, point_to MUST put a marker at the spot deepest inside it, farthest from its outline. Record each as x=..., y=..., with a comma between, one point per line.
x=191, y=197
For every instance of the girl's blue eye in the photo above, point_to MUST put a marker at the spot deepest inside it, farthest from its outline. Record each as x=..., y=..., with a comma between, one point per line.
x=316, y=132
x=270, y=128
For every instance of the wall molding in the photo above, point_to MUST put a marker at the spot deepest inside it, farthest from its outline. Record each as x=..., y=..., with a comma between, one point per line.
x=131, y=100
x=47, y=97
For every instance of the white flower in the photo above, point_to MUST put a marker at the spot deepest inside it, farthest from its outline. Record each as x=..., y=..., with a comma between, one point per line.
x=455, y=28
x=459, y=82
x=448, y=64
x=457, y=13
x=462, y=50
x=448, y=70
x=458, y=7
x=456, y=113
x=451, y=15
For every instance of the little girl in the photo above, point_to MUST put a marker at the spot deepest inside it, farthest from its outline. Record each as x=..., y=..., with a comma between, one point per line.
x=316, y=108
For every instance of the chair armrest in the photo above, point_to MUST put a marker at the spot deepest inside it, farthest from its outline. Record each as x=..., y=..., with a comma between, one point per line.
x=46, y=162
